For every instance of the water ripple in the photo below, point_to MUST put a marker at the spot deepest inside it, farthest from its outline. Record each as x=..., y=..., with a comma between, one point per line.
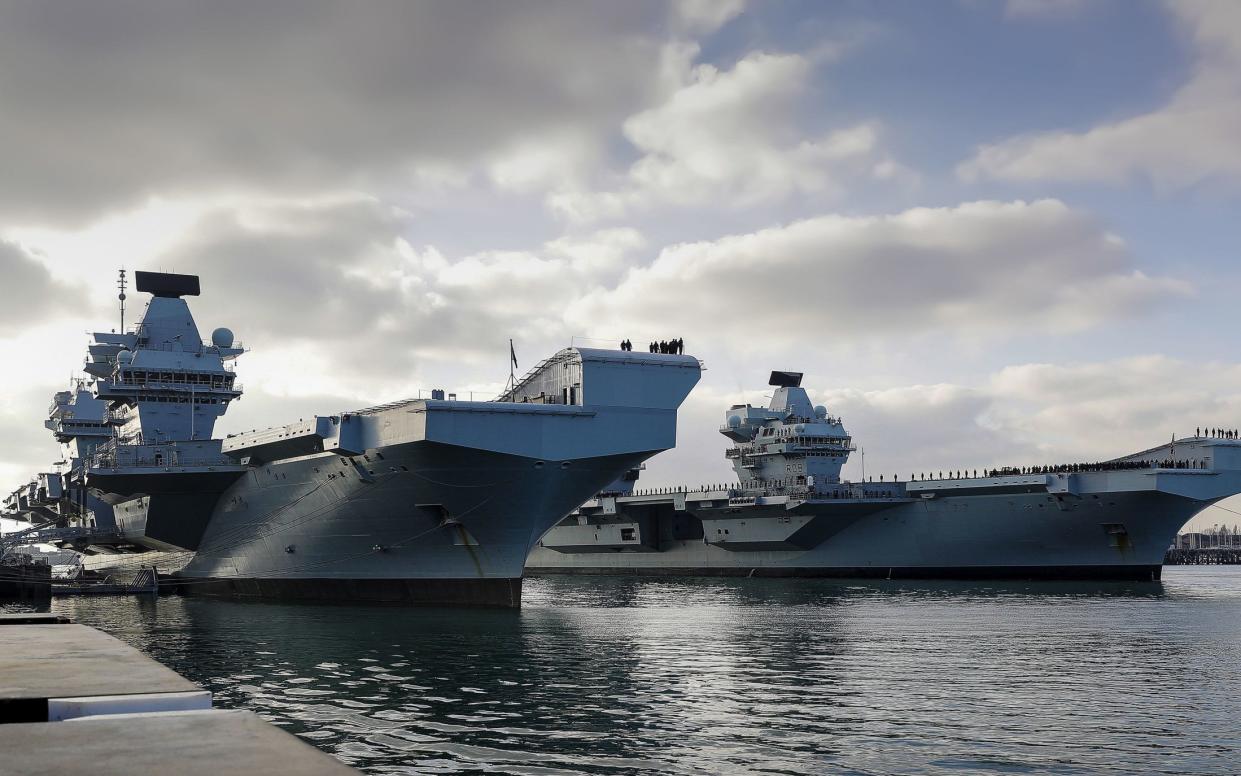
x=654, y=676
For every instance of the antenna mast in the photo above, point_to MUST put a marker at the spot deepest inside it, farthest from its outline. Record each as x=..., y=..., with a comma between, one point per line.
x=512, y=367
x=121, y=296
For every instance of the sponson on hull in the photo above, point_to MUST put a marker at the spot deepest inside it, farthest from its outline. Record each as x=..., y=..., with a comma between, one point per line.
x=791, y=514
x=421, y=501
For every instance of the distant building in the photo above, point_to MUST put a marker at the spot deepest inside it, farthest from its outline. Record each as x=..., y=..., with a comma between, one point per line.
x=1216, y=537
x=65, y=564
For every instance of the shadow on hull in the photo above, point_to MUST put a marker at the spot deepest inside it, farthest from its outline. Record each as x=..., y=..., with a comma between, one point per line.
x=498, y=593
x=1125, y=573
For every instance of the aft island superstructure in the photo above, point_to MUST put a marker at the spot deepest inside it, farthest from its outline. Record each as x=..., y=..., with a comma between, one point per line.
x=421, y=501
x=791, y=514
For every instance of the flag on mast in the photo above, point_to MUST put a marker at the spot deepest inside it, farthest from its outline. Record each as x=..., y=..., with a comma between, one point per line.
x=512, y=353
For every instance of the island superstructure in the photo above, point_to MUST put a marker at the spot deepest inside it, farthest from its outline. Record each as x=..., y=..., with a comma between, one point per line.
x=791, y=514
x=79, y=421
x=421, y=501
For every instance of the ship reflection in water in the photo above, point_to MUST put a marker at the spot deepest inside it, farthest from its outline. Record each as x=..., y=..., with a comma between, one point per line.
x=627, y=676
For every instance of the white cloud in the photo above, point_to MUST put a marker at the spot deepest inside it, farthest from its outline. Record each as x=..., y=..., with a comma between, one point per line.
x=732, y=138
x=1190, y=140
x=602, y=256
x=706, y=16
x=332, y=284
x=290, y=97
x=977, y=270
x=540, y=163
x=335, y=298
x=173, y=103
x=1135, y=401
x=1050, y=413
x=31, y=291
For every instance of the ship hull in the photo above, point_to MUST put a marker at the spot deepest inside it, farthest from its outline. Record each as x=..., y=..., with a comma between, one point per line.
x=1109, y=535
x=414, y=523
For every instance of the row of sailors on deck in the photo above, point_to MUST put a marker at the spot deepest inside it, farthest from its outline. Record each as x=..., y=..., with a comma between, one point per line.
x=1219, y=433
x=1064, y=468
x=674, y=346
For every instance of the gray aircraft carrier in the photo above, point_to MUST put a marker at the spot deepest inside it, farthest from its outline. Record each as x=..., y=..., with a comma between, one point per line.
x=790, y=514
x=424, y=501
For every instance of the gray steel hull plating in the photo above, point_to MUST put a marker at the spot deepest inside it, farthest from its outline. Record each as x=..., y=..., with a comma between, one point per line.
x=1030, y=535
x=421, y=522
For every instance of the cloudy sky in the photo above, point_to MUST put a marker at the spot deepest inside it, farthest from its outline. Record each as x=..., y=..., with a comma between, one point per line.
x=991, y=233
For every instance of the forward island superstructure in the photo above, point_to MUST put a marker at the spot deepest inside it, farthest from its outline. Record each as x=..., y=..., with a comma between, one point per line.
x=419, y=501
x=791, y=514
x=80, y=422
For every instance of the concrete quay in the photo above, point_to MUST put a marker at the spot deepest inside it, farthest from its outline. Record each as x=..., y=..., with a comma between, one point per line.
x=76, y=700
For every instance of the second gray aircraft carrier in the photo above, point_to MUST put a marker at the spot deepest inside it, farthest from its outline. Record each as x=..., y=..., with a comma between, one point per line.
x=791, y=514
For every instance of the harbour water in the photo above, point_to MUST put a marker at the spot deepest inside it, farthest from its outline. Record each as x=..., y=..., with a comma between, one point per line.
x=689, y=676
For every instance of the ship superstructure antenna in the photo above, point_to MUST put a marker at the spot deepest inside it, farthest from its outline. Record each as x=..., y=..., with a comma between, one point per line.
x=512, y=368
x=120, y=283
